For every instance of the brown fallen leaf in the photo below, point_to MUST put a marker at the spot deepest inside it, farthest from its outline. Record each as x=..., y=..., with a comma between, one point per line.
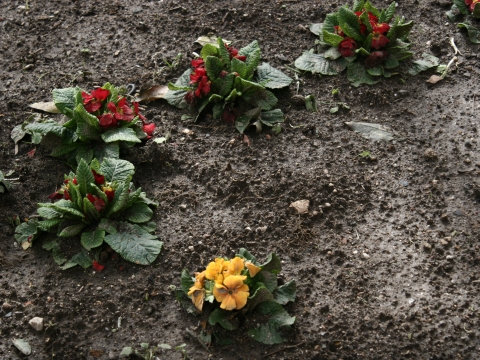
x=45, y=106
x=96, y=353
x=434, y=79
x=154, y=93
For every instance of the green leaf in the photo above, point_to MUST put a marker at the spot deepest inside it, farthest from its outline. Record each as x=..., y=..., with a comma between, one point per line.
x=272, y=264
x=117, y=169
x=64, y=149
x=357, y=74
x=176, y=98
x=332, y=54
x=366, y=21
x=476, y=11
x=399, y=30
x=46, y=225
x=92, y=239
x=69, y=228
x=65, y=207
x=149, y=226
x=358, y=5
x=269, y=280
x=253, y=54
x=217, y=110
x=376, y=71
x=82, y=259
x=84, y=178
x=84, y=153
x=461, y=6
x=110, y=150
x=271, y=117
x=472, y=32
x=138, y=213
x=269, y=333
x=331, y=38
x=244, y=86
x=64, y=100
x=108, y=226
x=120, y=134
x=239, y=67
x=263, y=99
x=243, y=121
x=208, y=50
x=27, y=231
x=331, y=20
x=134, y=244
x=48, y=213
x=316, y=63
x=222, y=317
x=88, y=126
x=214, y=67
x=286, y=293
x=223, y=53
x=244, y=253
x=120, y=199
x=369, y=7
x=391, y=62
x=349, y=23
x=223, y=86
x=272, y=78
x=186, y=281
x=261, y=294
x=231, y=97
x=428, y=62
x=389, y=13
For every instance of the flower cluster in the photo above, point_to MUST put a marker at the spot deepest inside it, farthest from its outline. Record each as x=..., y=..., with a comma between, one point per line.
x=226, y=281
x=113, y=114
x=471, y=4
x=378, y=36
x=199, y=81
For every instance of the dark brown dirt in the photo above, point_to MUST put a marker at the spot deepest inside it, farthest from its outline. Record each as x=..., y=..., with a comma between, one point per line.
x=387, y=260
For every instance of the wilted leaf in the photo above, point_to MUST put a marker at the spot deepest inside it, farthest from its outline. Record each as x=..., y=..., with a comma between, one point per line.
x=371, y=131
x=434, y=79
x=45, y=106
x=212, y=40
x=154, y=93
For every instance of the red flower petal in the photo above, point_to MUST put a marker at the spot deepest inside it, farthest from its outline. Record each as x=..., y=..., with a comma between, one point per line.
x=111, y=106
x=99, y=179
x=96, y=266
x=100, y=94
x=149, y=129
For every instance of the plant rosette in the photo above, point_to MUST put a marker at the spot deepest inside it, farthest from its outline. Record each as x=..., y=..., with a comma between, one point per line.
x=242, y=287
x=461, y=12
x=98, y=123
x=98, y=204
x=233, y=84
x=367, y=42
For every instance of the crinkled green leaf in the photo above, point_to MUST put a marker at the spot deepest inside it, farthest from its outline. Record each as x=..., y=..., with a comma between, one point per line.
x=472, y=32
x=48, y=213
x=134, y=244
x=316, y=63
x=84, y=153
x=272, y=264
x=88, y=126
x=116, y=169
x=271, y=117
x=223, y=86
x=208, y=50
x=269, y=333
x=222, y=317
x=176, y=98
x=245, y=86
x=68, y=228
x=332, y=38
x=332, y=54
x=261, y=294
x=84, y=177
x=316, y=28
x=27, y=231
x=81, y=259
x=92, y=239
x=272, y=78
x=399, y=30
x=120, y=134
x=428, y=62
x=138, y=213
x=389, y=13
x=239, y=67
x=263, y=99
x=269, y=280
x=286, y=293
x=243, y=121
x=107, y=225
x=369, y=7
x=64, y=100
x=65, y=207
x=461, y=6
x=214, y=67
x=110, y=150
x=47, y=225
x=357, y=74
x=149, y=226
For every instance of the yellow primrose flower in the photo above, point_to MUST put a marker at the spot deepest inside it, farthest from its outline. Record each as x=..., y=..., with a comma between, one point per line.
x=252, y=268
x=233, y=293
x=235, y=267
x=215, y=269
x=197, y=291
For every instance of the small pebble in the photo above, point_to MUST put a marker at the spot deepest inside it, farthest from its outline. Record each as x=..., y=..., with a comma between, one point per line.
x=365, y=255
x=36, y=323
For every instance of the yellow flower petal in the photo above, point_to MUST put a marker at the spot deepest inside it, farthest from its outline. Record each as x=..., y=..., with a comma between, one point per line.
x=214, y=269
x=252, y=268
x=236, y=266
x=228, y=303
x=198, y=298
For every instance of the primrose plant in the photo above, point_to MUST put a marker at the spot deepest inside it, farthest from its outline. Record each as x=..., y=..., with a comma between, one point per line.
x=242, y=287
x=97, y=204
x=231, y=84
x=366, y=41
x=466, y=13
x=98, y=124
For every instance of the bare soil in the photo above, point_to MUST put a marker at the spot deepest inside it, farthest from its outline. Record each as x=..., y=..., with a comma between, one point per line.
x=387, y=259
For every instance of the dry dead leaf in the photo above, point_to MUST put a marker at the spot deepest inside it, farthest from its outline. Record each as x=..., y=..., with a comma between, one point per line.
x=96, y=353
x=202, y=40
x=154, y=93
x=434, y=79
x=45, y=106
x=246, y=140
x=301, y=206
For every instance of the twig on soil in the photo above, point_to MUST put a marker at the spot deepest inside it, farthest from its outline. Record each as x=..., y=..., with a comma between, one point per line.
x=282, y=349
x=195, y=337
